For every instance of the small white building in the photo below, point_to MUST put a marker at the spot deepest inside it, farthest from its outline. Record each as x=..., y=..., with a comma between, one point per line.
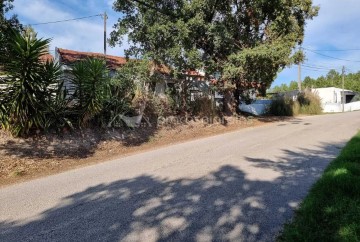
x=331, y=99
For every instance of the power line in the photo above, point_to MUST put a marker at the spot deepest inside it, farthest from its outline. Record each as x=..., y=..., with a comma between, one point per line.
x=331, y=56
x=321, y=66
x=339, y=50
x=324, y=63
x=66, y=20
x=316, y=67
x=310, y=69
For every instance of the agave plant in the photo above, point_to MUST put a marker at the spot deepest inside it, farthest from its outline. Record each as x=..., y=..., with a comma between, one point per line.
x=27, y=91
x=59, y=113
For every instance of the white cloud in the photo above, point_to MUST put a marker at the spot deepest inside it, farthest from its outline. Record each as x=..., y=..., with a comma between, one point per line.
x=334, y=28
x=81, y=35
x=38, y=11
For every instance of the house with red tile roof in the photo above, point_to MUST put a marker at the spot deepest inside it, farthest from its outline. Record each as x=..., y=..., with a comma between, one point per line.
x=66, y=58
x=198, y=85
x=69, y=57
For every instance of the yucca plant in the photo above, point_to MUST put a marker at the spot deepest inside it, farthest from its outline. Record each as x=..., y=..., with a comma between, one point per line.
x=59, y=113
x=27, y=91
x=91, y=80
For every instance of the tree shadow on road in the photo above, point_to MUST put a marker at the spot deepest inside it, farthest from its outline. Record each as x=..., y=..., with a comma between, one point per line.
x=224, y=205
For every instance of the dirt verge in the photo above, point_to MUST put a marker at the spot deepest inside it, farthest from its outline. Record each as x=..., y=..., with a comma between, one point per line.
x=46, y=154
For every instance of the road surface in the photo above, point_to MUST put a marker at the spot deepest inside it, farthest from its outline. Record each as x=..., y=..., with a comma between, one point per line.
x=240, y=186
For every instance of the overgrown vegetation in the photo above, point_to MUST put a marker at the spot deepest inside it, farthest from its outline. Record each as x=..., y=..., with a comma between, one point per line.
x=34, y=97
x=38, y=97
x=307, y=102
x=331, y=211
x=282, y=106
x=204, y=107
x=245, y=42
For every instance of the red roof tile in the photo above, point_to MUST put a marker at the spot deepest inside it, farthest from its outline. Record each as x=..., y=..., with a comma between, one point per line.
x=113, y=62
x=71, y=56
x=46, y=58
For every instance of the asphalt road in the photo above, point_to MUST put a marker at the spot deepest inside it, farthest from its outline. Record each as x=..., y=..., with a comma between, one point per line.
x=240, y=186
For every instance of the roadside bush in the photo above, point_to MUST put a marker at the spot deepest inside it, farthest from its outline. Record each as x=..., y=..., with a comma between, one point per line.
x=307, y=103
x=203, y=107
x=157, y=107
x=310, y=103
x=282, y=106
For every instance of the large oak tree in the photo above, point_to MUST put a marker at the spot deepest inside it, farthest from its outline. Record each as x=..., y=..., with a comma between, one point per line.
x=244, y=40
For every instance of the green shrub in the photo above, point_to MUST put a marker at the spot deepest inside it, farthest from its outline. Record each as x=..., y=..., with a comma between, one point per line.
x=92, y=89
x=282, y=106
x=59, y=115
x=29, y=86
x=159, y=107
x=307, y=103
x=310, y=103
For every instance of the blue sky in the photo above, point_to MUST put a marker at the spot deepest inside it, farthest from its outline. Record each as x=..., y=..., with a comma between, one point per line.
x=336, y=28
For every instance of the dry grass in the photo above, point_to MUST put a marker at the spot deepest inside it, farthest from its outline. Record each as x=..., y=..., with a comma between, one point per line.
x=24, y=159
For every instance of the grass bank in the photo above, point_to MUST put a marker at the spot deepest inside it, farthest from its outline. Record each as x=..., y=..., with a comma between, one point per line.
x=331, y=211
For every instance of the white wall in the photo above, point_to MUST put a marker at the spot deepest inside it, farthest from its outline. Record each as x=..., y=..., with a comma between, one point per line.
x=329, y=94
x=337, y=107
x=331, y=100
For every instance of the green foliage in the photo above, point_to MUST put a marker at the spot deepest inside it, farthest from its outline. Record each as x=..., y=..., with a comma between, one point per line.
x=129, y=90
x=244, y=40
x=331, y=210
x=7, y=25
x=135, y=76
x=282, y=106
x=59, y=115
x=28, y=88
x=92, y=88
x=293, y=85
x=159, y=107
x=203, y=107
x=334, y=79
x=307, y=103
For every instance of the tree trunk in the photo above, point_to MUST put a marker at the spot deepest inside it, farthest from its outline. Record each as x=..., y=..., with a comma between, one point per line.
x=228, y=102
x=184, y=97
x=237, y=99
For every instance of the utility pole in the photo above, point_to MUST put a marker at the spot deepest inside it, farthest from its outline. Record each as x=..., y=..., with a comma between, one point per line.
x=343, y=89
x=105, y=18
x=299, y=75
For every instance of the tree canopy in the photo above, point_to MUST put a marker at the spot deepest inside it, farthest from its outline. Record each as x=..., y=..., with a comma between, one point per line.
x=245, y=40
x=6, y=25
